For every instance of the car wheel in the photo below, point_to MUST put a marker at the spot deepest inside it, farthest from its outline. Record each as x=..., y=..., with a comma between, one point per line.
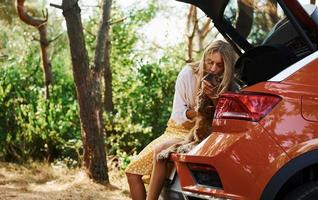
x=308, y=191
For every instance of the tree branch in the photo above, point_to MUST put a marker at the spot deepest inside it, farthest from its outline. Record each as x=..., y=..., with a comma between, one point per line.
x=102, y=37
x=40, y=24
x=27, y=18
x=52, y=40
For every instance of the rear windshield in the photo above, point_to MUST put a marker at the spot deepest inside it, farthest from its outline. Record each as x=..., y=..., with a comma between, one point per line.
x=253, y=19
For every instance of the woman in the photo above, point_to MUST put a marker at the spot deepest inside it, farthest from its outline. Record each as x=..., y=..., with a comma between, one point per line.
x=218, y=59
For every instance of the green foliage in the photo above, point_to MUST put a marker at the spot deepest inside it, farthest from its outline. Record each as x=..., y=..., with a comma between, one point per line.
x=143, y=104
x=8, y=12
x=34, y=128
x=140, y=16
x=30, y=126
x=260, y=28
x=142, y=90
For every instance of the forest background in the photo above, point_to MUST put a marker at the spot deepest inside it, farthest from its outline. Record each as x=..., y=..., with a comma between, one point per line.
x=144, y=70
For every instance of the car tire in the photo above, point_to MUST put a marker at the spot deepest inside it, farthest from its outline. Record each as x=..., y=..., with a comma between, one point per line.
x=308, y=191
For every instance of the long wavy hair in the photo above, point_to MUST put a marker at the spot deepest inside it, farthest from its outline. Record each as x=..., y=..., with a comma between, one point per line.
x=229, y=58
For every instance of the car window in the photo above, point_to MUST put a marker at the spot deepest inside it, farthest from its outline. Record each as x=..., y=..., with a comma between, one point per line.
x=253, y=19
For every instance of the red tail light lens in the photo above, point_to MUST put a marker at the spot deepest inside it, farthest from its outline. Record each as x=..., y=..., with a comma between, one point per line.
x=245, y=105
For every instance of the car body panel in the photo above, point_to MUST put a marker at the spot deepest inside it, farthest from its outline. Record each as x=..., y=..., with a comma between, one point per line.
x=287, y=123
x=294, y=68
x=307, y=75
x=285, y=173
x=238, y=148
x=309, y=107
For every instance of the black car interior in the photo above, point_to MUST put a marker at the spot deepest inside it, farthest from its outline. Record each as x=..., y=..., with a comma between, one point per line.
x=280, y=49
x=263, y=62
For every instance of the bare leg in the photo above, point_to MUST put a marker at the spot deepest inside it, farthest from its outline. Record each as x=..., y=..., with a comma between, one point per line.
x=136, y=186
x=157, y=180
x=159, y=171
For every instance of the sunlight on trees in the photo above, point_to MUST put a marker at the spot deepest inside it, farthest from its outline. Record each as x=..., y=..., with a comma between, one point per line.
x=143, y=75
x=26, y=132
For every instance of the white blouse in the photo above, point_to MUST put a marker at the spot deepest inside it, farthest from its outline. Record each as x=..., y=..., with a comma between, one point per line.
x=184, y=97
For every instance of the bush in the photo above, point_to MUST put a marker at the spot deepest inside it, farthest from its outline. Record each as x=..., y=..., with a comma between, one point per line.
x=32, y=127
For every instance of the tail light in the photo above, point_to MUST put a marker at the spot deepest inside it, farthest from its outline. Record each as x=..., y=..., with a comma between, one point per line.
x=245, y=105
x=205, y=175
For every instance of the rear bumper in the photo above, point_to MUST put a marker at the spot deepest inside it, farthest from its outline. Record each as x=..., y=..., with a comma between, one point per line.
x=173, y=191
x=245, y=161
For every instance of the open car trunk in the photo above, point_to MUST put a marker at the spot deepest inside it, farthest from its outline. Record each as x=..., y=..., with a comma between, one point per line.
x=269, y=46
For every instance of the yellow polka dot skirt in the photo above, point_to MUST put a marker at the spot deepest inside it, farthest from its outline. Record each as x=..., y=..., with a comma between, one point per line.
x=142, y=164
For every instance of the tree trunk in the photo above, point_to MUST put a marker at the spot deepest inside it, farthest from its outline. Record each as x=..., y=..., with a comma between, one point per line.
x=272, y=12
x=47, y=67
x=88, y=94
x=108, y=92
x=203, y=32
x=192, y=23
x=197, y=31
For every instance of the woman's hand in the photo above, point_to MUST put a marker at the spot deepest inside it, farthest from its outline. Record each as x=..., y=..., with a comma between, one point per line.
x=191, y=113
x=209, y=89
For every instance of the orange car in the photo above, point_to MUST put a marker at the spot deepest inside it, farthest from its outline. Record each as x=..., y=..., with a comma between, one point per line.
x=264, y=143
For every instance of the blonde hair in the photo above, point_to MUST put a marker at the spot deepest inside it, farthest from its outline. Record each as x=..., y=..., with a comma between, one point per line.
x=229, y=58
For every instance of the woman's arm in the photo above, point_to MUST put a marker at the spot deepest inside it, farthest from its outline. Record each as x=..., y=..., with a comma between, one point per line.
x=182, y=110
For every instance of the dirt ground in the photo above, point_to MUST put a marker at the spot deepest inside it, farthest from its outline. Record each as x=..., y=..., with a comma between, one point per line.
x=38, y=181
